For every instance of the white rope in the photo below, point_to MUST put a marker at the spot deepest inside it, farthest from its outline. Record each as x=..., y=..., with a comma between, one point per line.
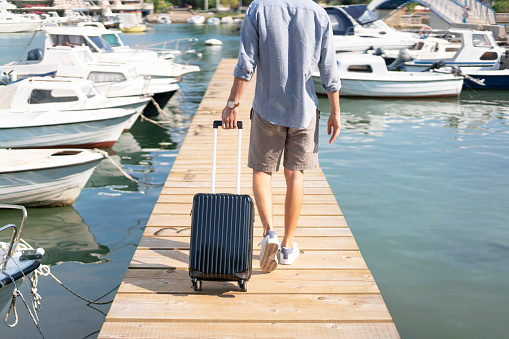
x=127, y=175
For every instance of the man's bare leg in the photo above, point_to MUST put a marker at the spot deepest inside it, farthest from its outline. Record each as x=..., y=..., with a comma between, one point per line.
x=262, y=189
x=293, y=204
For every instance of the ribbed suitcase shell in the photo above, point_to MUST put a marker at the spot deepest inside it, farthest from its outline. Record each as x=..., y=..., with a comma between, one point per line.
x=221, y=237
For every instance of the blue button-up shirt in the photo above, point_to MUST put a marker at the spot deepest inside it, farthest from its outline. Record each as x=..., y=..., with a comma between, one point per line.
x=287, y=40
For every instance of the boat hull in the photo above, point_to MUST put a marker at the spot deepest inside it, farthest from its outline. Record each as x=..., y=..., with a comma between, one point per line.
x=396, y=89
x=15, y=27
x=100, y=133
x=59, y=186
x=161, y=99
x=491, y=81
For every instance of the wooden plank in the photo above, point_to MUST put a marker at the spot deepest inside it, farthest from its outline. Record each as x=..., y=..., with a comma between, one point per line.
x=185, y=231
x=185, y=207
x=305, y=243
x=249, y=308
x=151, y=281
x=309, y=260
x=164, y=330
x=278, y=199
x=162, y=219
x=243, y=190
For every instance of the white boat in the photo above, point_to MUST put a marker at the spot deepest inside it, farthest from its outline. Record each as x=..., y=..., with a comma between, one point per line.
x=356, y=29
x=213, y=21
x=17, y=261
x=470, y=50
x=47, y=93
x=366, y=75
x=227, y=20
x=45, y=177
x=98, y=128
x=131, y=22
x=12, y=23
x=196, y=20
x=108, y=47
x=111, y=79
x=163, y=19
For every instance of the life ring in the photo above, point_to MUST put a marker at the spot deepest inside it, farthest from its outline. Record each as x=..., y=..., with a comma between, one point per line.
x=425, y=31
x=465, y=8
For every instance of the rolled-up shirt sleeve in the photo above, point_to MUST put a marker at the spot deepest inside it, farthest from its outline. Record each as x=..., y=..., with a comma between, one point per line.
x=327, y=65
x=248, y=53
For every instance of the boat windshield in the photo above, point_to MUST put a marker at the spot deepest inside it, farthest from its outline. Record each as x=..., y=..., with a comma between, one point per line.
x=362, y=14
x=71, y=40
x=113, y=40
x=101, y=43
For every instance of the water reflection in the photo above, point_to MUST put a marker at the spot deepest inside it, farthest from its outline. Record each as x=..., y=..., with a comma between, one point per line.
x=62, y=233
x=372, y=116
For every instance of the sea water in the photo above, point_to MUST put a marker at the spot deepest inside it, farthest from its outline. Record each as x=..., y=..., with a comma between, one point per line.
x=423, y=185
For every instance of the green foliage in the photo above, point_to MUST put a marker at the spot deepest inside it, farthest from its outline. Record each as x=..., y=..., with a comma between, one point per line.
x=501, y=6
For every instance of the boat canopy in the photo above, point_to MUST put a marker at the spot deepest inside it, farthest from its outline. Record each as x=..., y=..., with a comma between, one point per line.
x=361, y=13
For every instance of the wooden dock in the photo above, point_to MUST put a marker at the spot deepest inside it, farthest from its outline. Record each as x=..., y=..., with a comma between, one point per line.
x=328, y=292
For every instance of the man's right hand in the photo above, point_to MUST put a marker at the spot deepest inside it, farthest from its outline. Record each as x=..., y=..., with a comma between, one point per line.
x=229, y=117
x=334, y=126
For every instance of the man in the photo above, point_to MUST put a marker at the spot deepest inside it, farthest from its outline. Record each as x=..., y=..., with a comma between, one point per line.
x=286, y=40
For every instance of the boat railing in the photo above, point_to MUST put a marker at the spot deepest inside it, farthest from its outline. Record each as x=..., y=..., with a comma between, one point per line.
x=182, y=49
x=16, y=234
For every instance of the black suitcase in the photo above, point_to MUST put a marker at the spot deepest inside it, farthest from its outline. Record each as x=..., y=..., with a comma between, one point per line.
x=221, y=246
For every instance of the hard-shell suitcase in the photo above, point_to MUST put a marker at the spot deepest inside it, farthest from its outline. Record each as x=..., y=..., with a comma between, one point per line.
x=221, y=246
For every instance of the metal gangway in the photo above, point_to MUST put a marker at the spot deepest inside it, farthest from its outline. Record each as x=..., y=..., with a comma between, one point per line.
x=453, y=12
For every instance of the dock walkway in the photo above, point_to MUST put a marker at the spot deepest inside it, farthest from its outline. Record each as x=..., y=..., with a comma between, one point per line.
x=328, y=292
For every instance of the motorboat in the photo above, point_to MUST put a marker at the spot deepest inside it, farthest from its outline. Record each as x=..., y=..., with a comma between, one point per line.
x=213, y=21
x=196, y=20
x=17, y=260
x=131, y=22
x=485, y=64
x=468, y=49
x=111, y=79
x=356, y=29
x=108, y=47
x=227, y=20
x=38, y=94
x=163, y=19
x=53, y=19
x=45, y=177
x=366, y=75
x=13, y=23
x=98, y=128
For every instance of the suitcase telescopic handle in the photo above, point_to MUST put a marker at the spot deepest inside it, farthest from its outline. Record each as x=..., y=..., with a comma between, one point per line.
x=216, y=124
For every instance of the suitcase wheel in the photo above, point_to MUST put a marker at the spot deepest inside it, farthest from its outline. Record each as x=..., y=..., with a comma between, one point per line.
x=243, y=285
x=196, y=284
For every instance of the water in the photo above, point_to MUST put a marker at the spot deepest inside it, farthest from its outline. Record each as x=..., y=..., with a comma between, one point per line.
x=423, y=185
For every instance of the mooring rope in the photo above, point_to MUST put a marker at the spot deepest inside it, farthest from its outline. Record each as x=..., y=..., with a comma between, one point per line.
x=127, y=175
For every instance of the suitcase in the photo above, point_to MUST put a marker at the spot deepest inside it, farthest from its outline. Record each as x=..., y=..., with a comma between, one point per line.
x=221, y=246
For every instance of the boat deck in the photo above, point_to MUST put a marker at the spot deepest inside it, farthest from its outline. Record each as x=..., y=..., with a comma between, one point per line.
x=327, y=292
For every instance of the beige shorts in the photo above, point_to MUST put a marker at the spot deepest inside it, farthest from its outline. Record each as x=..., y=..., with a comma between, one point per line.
x=268, y=141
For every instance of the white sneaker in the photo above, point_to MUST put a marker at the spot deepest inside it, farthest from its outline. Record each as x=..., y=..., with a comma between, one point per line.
x=288, y=255
x=268, y=251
